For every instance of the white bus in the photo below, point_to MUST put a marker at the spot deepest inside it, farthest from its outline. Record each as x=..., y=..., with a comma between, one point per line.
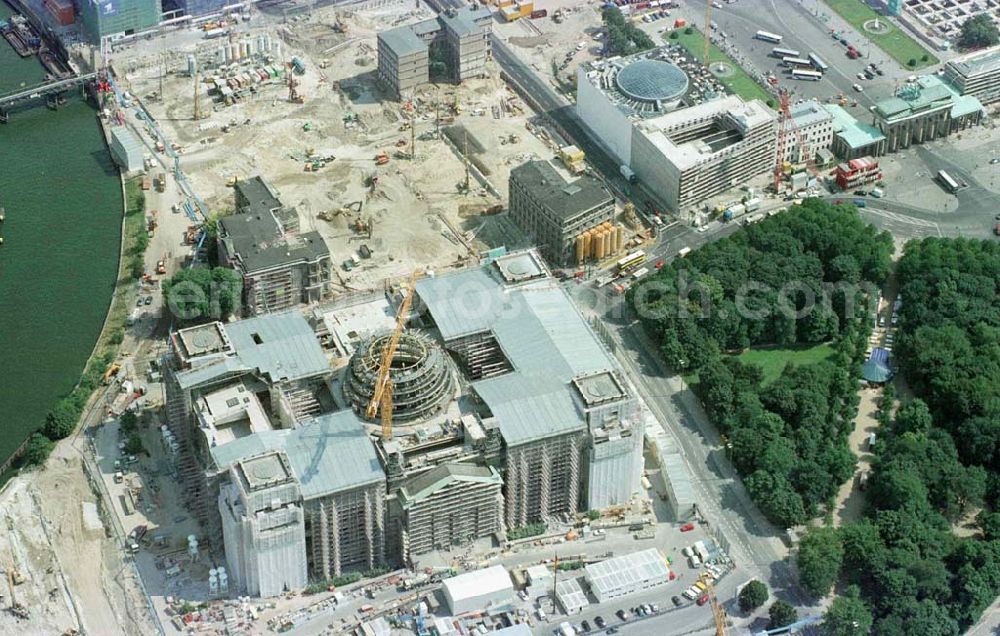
x=796, y=62
x=809, y=76
x=639, y=273
x=818, y=63
x=768, y=37
x=947, y=181
x=780, y=53
x=631, y=261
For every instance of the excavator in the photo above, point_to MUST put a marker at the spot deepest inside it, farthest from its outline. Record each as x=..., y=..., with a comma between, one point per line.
x=381, y=401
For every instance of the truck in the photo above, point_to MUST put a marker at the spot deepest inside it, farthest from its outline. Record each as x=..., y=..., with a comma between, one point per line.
x=752, y=204
x=734, y=211
x=627, y=173
x=161, y=182
x=684, y=251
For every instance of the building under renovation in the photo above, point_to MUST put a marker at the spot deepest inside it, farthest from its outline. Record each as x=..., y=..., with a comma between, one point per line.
x=329, y=502
x=570, y=431
x=227, y=382
x=405, y=53
x=281, y=267
x=507, y=411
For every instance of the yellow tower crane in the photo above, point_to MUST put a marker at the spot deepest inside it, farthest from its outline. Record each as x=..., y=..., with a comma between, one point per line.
x=717, y=611
x=382, y=398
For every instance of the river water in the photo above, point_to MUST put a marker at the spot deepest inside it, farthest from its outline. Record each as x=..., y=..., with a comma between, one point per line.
x=60, y=253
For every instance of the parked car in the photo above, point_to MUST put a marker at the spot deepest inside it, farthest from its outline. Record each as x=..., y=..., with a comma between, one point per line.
x=585, y=625
x=148, y=301
x=687, y=527
x=622, y=614
x=676, y=600
x=600, y=622
x=702, y=599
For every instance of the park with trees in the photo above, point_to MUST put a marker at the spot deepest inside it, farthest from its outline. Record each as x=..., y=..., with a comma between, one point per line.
x=799, y=279
x=924, y=558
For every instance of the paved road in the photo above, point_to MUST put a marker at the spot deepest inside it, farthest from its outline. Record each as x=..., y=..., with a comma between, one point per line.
x=806, y=26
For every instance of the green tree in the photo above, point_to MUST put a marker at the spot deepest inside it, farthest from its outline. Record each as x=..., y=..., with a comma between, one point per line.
x=848, y=615
x=129, y=422
x=978, y=32
x=781, y=614
x=198, y=293
x=61, y=420
x=753, y=595
x=133, y=445
x=820, y=557
x=989, y=523
x=38, y=450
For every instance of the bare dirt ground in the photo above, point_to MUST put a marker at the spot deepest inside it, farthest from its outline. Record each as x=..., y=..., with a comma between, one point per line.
x=850, y=501
x=550, y=47
x=74, y=577
x=421, y=216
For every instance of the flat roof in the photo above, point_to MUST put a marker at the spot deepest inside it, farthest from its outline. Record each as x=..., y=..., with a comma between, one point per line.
x=265, y=471
x=258, y=194
x=746, y=115
x=478, y=583
x=281, y=346
x=203, y=340
x=466, y=20
x=809, y=113
x=977, y=63
x=565, y=199
x=260, y=242
x=328, y=454
x=628, y=570
x=403, y=41
x=855, y=134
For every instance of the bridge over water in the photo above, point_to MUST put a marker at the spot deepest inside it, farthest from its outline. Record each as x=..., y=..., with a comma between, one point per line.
x=43, y=90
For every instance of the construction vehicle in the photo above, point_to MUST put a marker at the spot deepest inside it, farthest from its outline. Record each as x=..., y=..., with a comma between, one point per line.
x=381, y=401
x=161, y=182
x=293, y=94
x=381, y=158
x=111, y=372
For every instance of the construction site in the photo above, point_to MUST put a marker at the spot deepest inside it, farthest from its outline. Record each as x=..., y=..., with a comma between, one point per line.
x=389, y=185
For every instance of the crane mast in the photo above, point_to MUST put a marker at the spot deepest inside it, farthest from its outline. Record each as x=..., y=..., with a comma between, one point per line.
x=382, y=398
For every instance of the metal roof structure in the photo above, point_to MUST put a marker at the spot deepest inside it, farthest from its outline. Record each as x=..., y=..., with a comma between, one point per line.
x=471, y=585
x=628, y=573
x=444, y=475
x=652, y=80
x=542, y=334
x=328, y=454
x=281, y=346
x=466, y=20
x=571, y=596
x=854, y=133
x=927, y=93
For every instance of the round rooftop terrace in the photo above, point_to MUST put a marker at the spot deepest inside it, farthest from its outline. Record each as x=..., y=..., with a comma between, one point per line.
x=652, y=81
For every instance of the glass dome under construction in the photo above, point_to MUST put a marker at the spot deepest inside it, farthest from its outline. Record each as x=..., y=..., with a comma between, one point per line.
x=652, y=81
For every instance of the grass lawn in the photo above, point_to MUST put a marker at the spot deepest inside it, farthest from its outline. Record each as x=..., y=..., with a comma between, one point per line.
x=739, y=83
x=773, y=359
x=900, y=46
